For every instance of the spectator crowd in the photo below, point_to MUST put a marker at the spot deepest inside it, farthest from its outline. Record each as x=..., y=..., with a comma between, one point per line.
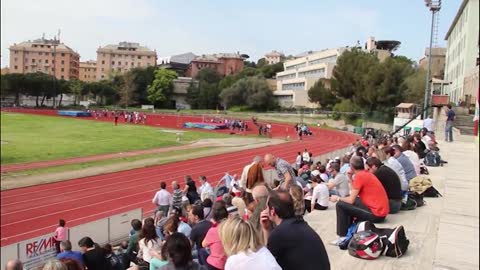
x=251, y=223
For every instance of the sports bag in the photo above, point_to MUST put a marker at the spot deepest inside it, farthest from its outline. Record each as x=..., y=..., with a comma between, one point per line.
x=432, y=159
x=395, y=240
x=432, y=192
x=417, y=197
x=411, y=204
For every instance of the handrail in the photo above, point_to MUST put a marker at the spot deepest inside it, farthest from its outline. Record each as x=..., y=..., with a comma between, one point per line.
x=408, y=122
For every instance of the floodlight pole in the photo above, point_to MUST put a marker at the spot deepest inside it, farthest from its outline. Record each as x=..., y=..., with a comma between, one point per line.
x=434, y=8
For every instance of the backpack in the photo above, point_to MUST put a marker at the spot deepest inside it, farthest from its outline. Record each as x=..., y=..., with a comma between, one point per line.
x=395, y=241
x=432, y=192
x=432, y=159
x=417, y=197
x=411, y=204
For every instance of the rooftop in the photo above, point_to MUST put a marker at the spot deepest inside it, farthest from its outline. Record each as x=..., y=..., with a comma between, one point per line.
x=42, y=42
x=215, y=57
x=126, y=46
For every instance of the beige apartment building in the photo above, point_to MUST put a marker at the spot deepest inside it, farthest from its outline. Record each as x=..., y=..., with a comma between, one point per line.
x=120, y=58
x=302, y=73
x=88, y=71
x=438, y=62
x=44, y=55
x=462, y=53
x=274, y=57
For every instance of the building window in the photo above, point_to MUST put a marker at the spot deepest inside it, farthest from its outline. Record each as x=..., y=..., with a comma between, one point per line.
x=103, y=76
x=15, y=52
x=62, y=77
x=63, y=62
x=132, y=64
x=62, y=69
x=113, y=62
x=40, y=53
x=53, y=69
x=26, y=60
x=53, y=61
x=85, y=76
x=63, y=54
x=119, y=69
x=15, y=59
x=138, y=64
x=46, y=61
x=148, y=57
x=39, y=60
x=15, y=67
x=113, y=55
x=49, y=46
x=26, y=67
x=119, y=63
x=103, y=62
x=139, y=57
x=33, y=60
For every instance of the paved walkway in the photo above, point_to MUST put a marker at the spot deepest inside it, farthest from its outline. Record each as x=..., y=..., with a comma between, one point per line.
x=443, y=234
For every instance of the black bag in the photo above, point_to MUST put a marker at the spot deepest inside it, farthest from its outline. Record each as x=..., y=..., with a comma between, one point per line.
x=395, y=240
x=431, y=192
x=411, y=204
x=417, y=197
x=433, y=159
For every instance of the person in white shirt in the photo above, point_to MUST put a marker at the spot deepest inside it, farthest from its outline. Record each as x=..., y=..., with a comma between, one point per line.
x=243, y=177
x=306, y=157
x=428, y=123
x=162, y=199
x=298, y=161
x=243, y=246
x=205, y=187
x=320, y=194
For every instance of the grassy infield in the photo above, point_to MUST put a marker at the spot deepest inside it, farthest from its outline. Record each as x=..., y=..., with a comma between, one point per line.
x=30, y=138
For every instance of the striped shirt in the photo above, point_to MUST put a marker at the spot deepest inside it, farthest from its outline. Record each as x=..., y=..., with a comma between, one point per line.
x=177, y=198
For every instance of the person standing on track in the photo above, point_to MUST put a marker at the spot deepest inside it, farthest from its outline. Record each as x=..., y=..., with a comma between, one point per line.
x=163, y=199
x=115, y=115
x=60, y=234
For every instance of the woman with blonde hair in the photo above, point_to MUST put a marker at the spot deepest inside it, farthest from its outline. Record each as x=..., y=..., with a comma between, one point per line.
x=298, y=202
x=244, y=248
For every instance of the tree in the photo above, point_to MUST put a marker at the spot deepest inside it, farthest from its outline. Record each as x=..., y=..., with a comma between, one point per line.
x=270, y=71
x=76, y=88
x=205, y=94
x=261, y=62
x=161, y=89
x=318, y=93
x=127, y=90
x=252, y=92
x=415, y=86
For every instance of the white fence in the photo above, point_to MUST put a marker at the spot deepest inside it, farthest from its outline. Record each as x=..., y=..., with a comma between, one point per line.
x=33, y=252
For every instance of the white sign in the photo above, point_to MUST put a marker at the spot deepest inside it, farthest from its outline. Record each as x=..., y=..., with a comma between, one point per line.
x=34, y=252
x=147, y=107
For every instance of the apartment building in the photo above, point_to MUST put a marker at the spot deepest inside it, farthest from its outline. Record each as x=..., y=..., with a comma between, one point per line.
x=88, y=71
x=44, y=55
x=462, y=52
x=223, y=63
x=274, y=57
x=438, y=62
x=302, y=73
x=120, y=58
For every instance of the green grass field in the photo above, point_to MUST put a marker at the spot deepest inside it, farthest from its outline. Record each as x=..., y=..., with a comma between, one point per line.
x=30, y=138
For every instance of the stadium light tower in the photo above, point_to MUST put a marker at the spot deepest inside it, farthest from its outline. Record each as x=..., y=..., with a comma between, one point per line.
x=434, y=7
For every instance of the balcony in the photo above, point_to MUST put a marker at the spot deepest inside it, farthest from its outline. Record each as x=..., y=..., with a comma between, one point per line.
x=440, y=100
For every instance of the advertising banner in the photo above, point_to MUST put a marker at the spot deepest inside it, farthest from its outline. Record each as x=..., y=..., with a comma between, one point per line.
x=34, y=252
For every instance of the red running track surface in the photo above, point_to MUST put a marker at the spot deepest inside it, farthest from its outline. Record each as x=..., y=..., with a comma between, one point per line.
x=33, y=211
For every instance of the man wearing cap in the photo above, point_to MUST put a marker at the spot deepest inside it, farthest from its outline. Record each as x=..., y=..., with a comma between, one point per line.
x=319, y=198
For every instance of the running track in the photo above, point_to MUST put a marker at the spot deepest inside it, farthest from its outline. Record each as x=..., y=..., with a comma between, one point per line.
x=33, y=211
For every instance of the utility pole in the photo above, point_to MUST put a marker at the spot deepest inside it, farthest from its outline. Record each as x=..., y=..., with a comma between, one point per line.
x=55, y=43
x=434, y=7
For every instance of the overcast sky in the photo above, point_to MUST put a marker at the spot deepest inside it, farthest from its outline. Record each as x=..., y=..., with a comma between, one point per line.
x=251, y=27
